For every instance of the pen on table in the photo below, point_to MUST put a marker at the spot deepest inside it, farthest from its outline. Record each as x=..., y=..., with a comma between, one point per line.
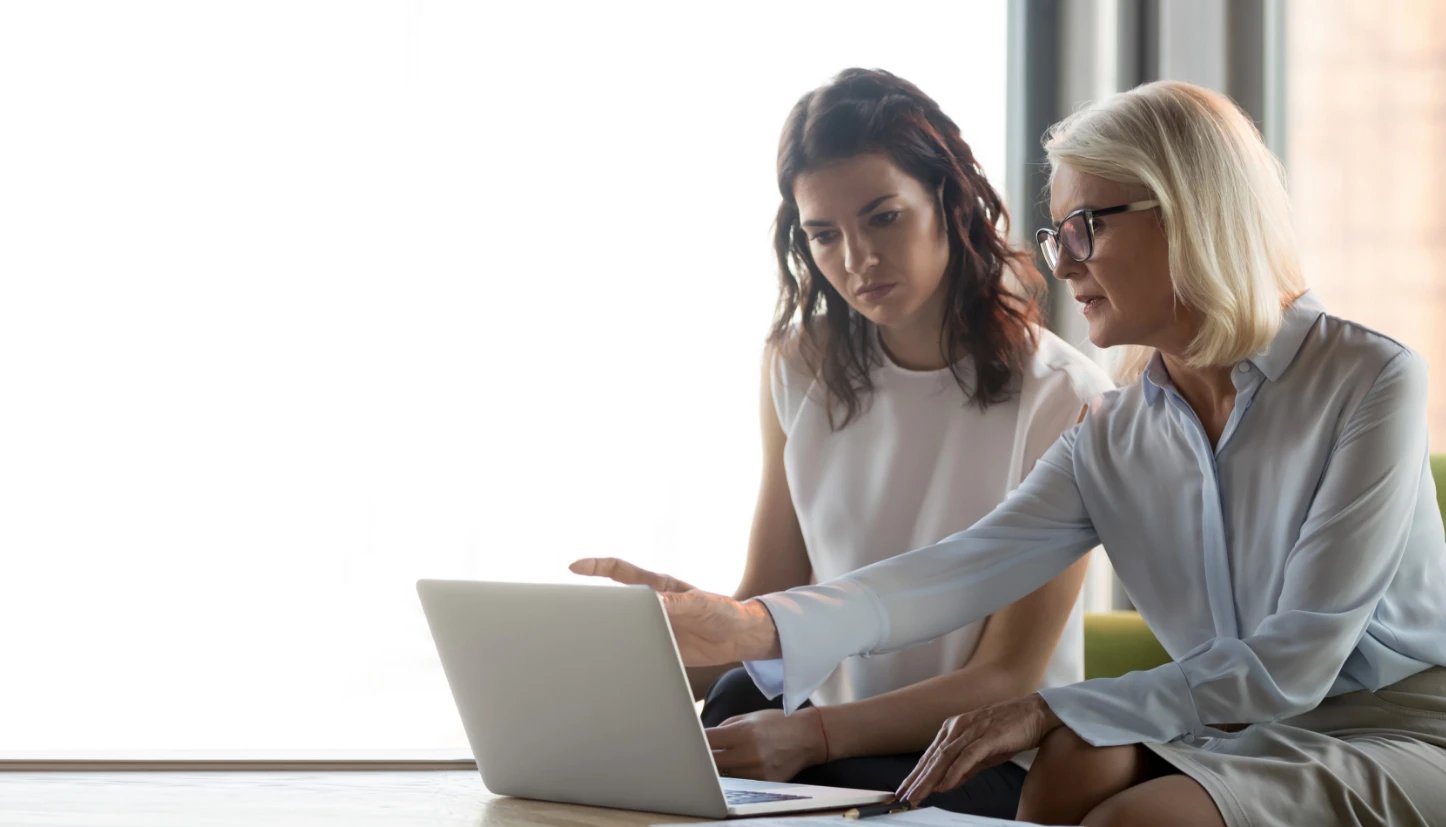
x=879, y=809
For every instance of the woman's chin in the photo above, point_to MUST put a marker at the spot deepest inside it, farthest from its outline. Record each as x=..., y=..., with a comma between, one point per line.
x=1099, y=335
x=884, y=317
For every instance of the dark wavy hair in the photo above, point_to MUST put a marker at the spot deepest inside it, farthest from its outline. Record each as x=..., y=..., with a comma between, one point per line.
x=987, y=318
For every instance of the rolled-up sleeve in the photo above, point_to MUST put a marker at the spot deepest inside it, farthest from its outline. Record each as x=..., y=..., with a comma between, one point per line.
x=1346, y=555
x=1038, y=531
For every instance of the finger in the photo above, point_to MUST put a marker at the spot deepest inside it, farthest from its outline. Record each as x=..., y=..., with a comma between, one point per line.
x=928, y=780
x=676, y=585
x=753, y=772
x=624, y=572
x=727, y=737
x=923, y=761
x=585, y=565
x=914, y=773
x=727, y=761
x=737, y=766
x=743, y=755
x=619, y=570
x=919, y=790
x=969, y=762
x=922, y=777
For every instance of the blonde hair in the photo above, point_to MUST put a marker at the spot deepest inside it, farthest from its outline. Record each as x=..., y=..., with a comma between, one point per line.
x=1223, y=204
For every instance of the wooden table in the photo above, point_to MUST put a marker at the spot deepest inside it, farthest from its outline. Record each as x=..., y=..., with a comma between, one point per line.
x=350, y=798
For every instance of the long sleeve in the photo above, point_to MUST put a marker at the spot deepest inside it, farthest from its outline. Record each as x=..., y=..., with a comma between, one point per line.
x=1347, y=553
x=1038, y=531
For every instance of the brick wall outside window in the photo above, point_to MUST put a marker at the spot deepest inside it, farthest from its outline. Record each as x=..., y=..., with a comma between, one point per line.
x=1366, y=153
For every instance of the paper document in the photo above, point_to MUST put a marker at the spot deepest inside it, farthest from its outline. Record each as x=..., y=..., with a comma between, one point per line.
x=927, y=817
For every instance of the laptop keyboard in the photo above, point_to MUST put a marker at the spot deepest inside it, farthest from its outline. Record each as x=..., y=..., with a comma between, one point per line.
x=754, y=797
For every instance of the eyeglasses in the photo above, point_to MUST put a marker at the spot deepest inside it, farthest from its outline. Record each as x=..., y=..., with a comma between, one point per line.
x=1076, y=233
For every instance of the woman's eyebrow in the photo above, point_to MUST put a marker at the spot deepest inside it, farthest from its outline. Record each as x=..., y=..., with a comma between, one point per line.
x=867, y=208
x=1071, y=211
x=864, y=210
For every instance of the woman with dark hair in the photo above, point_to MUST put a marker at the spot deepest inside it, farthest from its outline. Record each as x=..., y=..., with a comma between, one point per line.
x=907, y=387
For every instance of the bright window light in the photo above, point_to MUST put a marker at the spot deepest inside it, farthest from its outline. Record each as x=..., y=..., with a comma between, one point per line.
x=302, y=301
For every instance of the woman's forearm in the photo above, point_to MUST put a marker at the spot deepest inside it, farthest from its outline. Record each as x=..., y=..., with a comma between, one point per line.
x=907, y=719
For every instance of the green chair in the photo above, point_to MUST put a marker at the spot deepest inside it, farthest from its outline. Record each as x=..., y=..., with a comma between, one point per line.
x=1438, y=471
x=1120, y=642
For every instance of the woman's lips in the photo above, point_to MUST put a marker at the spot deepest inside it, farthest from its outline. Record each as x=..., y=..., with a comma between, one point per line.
x=874, y=292
x=1091, y=303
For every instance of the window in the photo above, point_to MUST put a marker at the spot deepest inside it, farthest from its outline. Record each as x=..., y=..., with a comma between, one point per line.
x=1366, y=127
x=303, y=301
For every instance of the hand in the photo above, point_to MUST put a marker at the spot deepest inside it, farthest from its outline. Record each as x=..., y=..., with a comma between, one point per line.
x=767, y=745
x=978, y=740
x=710, y=629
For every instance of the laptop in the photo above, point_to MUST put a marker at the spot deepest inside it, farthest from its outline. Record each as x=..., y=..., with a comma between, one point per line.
x=576, y=694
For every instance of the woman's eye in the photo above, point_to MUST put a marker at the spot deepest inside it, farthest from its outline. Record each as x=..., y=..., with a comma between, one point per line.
x=884, y=219
x=824, y=237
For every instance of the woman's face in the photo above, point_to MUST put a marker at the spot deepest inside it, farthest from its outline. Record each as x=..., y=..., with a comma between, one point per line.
x=878, y=236
x=1124, y=289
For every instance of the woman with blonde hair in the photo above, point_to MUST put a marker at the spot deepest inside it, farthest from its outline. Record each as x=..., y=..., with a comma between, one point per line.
x=1262, y=488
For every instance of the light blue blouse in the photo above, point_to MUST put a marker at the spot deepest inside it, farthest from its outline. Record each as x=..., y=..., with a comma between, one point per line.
x=1302, y=557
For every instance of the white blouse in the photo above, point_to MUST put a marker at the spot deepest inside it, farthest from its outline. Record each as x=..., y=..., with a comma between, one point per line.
x=919, y=463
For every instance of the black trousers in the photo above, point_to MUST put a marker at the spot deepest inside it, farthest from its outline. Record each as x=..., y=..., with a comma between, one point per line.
x=993, y=792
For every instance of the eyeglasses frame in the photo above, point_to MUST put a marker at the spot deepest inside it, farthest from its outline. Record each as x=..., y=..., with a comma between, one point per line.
x=1090, y=214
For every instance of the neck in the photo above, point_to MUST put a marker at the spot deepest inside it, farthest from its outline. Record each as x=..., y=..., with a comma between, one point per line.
x=1208, y=391
x=916, y=346
x=1209, y=386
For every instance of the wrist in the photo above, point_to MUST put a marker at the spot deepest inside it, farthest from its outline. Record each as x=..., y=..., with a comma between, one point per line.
x=761, y=640
x=820, y=753
x=1050, y=720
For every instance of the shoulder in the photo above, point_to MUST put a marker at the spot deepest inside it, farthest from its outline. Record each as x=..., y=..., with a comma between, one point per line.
x=1349, y=344
x=1350, y=356
x=1057, y=384
x=788, y=362
x=1054, y=368
x=787, y=358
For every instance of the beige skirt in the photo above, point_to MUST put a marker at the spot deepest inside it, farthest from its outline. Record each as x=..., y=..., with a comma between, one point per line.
x=1363, y=758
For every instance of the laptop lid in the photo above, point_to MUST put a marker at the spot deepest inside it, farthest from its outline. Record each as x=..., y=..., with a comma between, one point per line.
x=574, y=694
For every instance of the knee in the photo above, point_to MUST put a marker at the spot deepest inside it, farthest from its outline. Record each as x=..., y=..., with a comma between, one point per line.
x=732, y=683
x=1063, y=754
x=732, y=694
x=1069, y=778
x=1175, y=799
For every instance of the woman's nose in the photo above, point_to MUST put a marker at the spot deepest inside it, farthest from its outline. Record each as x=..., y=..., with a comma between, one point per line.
x=1066, y=267
x=859, y=256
